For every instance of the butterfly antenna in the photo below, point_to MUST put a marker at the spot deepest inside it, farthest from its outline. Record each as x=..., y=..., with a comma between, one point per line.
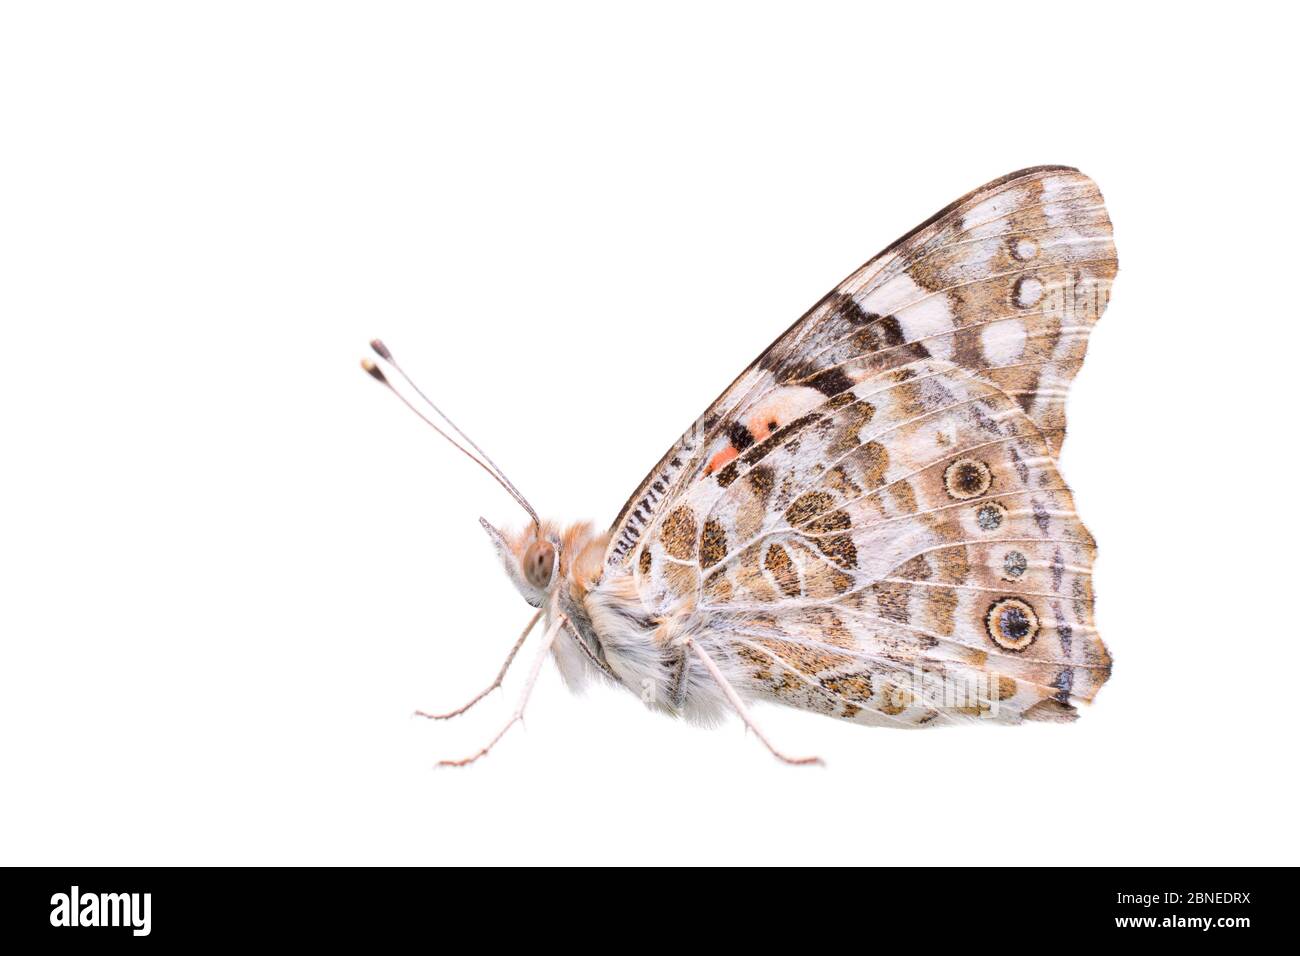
x=487, y=465
x=383, y=352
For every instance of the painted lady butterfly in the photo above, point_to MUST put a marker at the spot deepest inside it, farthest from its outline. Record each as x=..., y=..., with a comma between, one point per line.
x=869, y=522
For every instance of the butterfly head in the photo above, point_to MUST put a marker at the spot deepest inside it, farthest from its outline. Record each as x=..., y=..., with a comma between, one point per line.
x=531, y=559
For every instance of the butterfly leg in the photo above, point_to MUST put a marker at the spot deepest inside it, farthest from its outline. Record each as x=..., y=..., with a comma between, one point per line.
x=734, y=698
x=518, y=715
x=495, y=684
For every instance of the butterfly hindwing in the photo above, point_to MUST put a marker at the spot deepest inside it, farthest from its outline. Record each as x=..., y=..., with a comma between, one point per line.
x=872, y=512
x=913, y=529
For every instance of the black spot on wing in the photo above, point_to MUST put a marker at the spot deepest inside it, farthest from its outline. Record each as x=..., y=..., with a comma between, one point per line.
x=833, y=381
x=887, y=333
x=846, y=309
x=739, y=436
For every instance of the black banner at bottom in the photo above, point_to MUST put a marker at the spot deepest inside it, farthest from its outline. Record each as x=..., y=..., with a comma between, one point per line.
x=930, y=905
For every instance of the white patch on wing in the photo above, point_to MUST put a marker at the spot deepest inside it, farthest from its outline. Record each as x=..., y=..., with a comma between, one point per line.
x=993, y=208
x=989, y=230
x=929, y=317
x=783, y=406
x=1028, y=292
x=896, y=294
x=1054, y=186
x=1026, y=249
x=1003, y=342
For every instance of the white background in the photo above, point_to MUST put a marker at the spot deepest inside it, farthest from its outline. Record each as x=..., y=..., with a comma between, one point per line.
x=231, y=566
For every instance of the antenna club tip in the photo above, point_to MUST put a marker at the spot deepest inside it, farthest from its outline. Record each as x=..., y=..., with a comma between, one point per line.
x=371, y=369
x=381, y=349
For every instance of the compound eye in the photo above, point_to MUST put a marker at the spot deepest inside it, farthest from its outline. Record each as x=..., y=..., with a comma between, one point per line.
x=539, y=563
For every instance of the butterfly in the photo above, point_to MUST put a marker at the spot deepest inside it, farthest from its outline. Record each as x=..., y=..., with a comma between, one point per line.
x=869, y=522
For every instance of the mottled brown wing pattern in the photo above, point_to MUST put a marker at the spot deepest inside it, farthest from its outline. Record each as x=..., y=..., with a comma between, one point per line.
x=1007, y=282
x=905, y=537
x=870, y=521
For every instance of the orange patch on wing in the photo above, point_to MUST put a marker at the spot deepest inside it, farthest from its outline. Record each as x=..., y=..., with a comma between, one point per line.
x=762, y=426
x=721, y=458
